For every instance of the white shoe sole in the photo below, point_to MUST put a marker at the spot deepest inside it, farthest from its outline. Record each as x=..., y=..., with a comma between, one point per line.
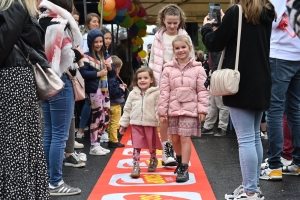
x=74, y=165
x=98, y=154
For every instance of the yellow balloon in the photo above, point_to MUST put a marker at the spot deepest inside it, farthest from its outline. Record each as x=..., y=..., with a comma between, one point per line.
x=139, y=41
x=142, y=54
x=135, y=18
x=142, y=33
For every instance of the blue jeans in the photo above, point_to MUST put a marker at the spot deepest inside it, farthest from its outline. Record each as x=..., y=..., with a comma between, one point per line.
x=285, y=87
x=57, y=112
x=247, y=127
x=85, y=113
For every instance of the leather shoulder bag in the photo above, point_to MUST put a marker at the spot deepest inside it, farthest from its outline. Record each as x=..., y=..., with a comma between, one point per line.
x=48, y=83
x=78, y=85
x=225, y=82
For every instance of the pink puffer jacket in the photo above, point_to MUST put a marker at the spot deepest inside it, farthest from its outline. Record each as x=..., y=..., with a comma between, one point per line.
x=157, y=53
x=182, y=90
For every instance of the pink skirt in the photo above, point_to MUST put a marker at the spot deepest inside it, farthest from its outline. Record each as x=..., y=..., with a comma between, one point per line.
x=185, y=126
x=145, y=137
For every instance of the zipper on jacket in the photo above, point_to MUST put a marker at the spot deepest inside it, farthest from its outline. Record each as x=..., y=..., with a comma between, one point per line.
x=142, y=108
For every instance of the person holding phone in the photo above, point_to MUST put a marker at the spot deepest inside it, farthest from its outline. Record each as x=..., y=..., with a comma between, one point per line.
x=254, y=94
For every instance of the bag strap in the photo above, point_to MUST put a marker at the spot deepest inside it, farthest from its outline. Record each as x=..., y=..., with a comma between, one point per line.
x=237, y=54
x=20, y=51
x=69, y=74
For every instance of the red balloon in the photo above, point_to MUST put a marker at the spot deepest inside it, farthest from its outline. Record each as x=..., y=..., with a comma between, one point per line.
x=142, y=12
x=120, y=4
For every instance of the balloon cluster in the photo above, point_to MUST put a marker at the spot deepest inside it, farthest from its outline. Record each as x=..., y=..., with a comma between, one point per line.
x=128, y=15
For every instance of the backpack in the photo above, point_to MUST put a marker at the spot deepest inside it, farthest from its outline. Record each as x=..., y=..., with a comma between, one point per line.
x=293, y=7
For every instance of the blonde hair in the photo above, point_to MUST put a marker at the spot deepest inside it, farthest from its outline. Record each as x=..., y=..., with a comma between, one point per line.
x=30, y=5
x=116, y=61
x=89, y=18
x=183, y=38
x=140, y=70
x=253, y=8
x=173, y=10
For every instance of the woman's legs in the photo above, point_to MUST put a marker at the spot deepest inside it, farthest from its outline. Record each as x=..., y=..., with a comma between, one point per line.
x=57, y=116
x=247, y=126
x=84, y=117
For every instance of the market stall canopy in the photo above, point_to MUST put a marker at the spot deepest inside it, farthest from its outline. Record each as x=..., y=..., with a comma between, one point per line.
x=195, y=10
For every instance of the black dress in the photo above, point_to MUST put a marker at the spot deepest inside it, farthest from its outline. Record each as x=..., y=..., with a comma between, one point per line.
x=23, y=171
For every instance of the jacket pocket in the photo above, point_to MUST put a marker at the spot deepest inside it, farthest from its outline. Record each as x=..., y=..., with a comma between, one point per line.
x=185, y=94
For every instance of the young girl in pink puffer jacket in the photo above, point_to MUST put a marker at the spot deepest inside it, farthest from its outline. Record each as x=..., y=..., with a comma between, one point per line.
x=183, y=101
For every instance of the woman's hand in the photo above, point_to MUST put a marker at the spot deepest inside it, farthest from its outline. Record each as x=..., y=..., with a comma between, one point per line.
x=201, y=117
x=101, y=73
x=163, y=119
x=121, y=130
x=207, y=21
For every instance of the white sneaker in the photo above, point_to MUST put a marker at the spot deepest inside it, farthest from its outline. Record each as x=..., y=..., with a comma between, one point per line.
x=244, y=196
x=79, y=135
x=240, y=190
x=81, y=156
x=78, y=145
x=105, y=150
x=104, y=137
x=97, y=151
x=284, y=161
x=168, y=155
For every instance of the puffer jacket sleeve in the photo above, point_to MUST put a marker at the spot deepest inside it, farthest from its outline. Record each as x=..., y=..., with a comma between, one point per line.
x=86, y=72
x=163, y=103
x=202, y=92
x=125, y=119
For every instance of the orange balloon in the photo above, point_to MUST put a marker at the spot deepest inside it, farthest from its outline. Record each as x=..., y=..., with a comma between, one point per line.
x=111, y=16
x=109, y=5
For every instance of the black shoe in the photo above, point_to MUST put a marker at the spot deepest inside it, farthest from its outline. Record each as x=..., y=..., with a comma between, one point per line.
x=182, y=173
x=205, y=131
x=73, y=161
x=178, y=159
x=220, y=132
x=115, y=145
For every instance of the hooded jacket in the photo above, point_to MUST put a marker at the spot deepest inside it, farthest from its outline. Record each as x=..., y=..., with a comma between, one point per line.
x=182, y=91
x=255, y=76
x=89, y=70
x=141, y=110
x=156, y=60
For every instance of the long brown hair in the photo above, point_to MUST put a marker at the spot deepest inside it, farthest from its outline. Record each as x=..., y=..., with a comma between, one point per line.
x=89, y=17
x=173, y=10
x=253, y=9
x=140, y=70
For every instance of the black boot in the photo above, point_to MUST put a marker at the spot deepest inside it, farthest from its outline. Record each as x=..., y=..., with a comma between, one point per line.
x=182, y=174
x=178, y=159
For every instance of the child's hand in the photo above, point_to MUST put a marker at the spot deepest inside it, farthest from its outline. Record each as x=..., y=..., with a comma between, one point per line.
x=101, y=73
x=107, y=65
x=125, y=86
x=121, y=130
x=201, y=117
x=163, y=119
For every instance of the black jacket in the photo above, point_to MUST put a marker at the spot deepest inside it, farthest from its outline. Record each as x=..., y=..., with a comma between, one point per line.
x=18, y=27
x=255, y=76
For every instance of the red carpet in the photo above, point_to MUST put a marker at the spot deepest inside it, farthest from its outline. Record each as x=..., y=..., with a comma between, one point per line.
x=116, y=184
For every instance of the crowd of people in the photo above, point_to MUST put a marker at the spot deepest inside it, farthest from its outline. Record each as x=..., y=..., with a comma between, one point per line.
x=170, y=93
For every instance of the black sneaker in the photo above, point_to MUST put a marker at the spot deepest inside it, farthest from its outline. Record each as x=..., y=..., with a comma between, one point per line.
x=220, y=132
x=115, y=145
x=205, y=131
x=73, y=161
x=63, y=190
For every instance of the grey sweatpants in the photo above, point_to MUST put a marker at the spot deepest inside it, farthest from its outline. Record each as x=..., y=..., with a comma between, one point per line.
x=216, y=108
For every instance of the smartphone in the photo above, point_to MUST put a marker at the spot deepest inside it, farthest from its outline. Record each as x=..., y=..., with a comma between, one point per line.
x=214, y=13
